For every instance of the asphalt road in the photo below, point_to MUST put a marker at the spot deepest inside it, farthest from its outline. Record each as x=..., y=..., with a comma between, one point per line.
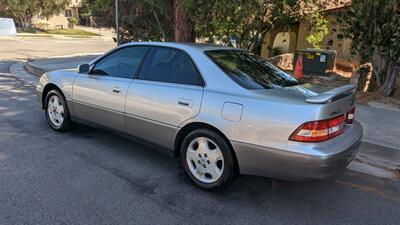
x=91, y=176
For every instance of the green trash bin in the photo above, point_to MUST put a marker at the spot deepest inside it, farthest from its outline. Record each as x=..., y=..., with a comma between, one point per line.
x=316, y=61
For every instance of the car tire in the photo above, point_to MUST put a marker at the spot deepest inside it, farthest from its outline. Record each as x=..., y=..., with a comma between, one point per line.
x=57, y=113
x=207, y=160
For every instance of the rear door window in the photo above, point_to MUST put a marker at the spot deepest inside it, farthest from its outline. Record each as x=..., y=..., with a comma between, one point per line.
x=170, y=65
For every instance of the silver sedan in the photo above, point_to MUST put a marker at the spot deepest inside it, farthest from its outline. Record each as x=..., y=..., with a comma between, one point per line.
x=222, y=111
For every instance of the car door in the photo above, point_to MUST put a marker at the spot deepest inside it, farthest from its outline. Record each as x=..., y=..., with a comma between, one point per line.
x=99, y=96
x=167, y=92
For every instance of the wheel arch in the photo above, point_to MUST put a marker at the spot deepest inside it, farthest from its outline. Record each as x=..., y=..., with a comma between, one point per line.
x=200, y=125
x=46, y=89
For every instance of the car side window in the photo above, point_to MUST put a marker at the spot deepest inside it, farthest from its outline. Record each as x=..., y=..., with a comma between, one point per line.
x=122, y=63
x=171, y=66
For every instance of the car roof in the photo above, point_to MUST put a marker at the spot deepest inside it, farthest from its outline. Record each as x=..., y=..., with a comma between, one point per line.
x=184, y=45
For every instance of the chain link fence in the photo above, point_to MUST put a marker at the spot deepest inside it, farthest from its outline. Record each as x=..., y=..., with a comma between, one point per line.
x=7, y=27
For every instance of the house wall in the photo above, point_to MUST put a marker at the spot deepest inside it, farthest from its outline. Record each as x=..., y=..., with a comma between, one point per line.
x=330, y=41
x=60, y=20
x=282, y=41
x=53, y=22
x=275, y=37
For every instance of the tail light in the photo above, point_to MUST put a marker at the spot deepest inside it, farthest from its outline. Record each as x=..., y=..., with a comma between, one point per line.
x=322, y=130
x=350, y=115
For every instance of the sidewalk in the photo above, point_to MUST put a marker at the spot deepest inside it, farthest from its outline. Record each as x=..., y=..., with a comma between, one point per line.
x=381, y=124
x=40, y=66
x=379, y=154
x=107, y=33
x=103, y=33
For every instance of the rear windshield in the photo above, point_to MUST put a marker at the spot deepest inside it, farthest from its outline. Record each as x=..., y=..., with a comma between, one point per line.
x=249, y=70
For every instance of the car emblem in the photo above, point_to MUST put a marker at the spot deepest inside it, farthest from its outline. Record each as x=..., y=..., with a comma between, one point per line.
x=335, y=112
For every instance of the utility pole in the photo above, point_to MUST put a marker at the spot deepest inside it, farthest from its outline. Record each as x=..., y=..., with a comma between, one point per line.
x=117, y=21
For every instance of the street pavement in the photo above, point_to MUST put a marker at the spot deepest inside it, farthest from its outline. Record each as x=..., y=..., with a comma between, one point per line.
x=381, y=124
x=40, y=66
x=91, y=176
x=43, y=47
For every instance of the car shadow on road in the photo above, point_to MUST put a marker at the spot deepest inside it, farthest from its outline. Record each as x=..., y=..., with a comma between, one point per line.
x=91, y=169
x=163, y=174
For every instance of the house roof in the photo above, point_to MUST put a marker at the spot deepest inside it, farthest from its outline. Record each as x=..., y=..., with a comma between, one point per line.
x=336, y=4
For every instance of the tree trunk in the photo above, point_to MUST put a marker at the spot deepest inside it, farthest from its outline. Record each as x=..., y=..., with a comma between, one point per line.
x=159, y=25
x=379, y=65
x=255, y=40
x=25, y=23
x=26, y=20
x=183, y=25
x=253, y=43
x=389, y=86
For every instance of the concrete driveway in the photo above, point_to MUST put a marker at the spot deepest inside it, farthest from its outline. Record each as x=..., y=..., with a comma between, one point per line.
x=91, y=176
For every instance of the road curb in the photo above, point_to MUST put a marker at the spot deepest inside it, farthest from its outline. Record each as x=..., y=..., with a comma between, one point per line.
x=70, y=55
x=35, y=69
x=377, y=160
x=38, y=70
x=61, y=36
x=18, y=70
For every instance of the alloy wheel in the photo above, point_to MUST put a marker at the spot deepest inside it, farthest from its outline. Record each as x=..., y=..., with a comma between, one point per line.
x=205, y=159
x=55, y=111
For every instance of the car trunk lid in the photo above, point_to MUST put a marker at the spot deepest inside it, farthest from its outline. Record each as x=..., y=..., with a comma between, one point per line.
x=332, y=95
x=326, y=103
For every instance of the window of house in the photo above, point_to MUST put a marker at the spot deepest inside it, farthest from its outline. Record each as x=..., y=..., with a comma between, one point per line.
x=68, y=13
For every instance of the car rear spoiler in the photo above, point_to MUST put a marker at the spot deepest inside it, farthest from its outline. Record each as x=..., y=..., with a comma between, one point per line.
x=332, y=95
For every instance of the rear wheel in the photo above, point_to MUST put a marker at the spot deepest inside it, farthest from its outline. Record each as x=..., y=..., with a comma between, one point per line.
x=207, y=159
x=56, y=111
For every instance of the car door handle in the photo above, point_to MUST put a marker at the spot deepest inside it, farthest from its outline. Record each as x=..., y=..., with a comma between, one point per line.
x=116, y=90
x=184, y=101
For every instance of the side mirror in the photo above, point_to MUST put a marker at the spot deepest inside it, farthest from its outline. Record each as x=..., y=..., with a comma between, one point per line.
x=83, y=68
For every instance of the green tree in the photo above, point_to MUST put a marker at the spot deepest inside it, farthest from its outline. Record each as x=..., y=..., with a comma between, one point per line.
x=318, y=30
x=209, y=20
x=248, y=21
x=312, y=12
x=143, y=20
x=374, y=27
x=24, y=10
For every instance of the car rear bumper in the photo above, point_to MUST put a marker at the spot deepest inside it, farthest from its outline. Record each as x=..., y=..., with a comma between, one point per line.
x=300, y=161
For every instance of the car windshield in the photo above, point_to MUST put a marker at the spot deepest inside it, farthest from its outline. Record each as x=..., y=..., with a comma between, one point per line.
x=250, y=71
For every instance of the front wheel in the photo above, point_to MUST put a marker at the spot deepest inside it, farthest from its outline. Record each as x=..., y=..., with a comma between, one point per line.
x=207, y=159
x=56, y=111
